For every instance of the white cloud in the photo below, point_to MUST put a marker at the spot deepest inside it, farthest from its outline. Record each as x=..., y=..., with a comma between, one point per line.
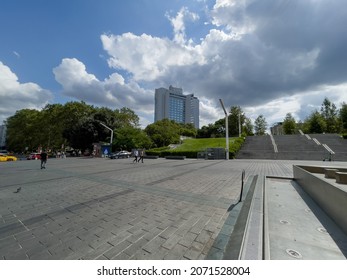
x=147, y=58
x=16, y=96
x=178, y=24
x=112, y=92
x=269, y=57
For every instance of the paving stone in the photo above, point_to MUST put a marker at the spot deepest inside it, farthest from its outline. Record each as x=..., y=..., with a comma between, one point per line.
x=16, y=255
x=172, y=241
x=204, y=236
x=168, y=232
x=166, y=209
x=95, y=253
x=154, y=244
x=137, y=246
x=192, y=254
x=114, y=251
x=188, y=239
x=176, y=253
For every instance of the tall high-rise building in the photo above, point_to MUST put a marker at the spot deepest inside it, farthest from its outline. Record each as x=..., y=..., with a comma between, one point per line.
x=172, y=104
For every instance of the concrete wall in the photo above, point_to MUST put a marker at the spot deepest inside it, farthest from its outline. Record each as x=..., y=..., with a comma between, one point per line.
x=330, y=198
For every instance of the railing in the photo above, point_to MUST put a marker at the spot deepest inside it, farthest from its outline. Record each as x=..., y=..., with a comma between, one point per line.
x=242, y=183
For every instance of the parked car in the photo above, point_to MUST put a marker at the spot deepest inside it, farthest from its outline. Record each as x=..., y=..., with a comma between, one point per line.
x=121, y=154
x=4, y=157
x=3, y=152
x=34, y=156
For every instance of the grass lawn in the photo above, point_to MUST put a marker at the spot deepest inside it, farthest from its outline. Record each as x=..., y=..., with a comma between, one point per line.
x=201, y=144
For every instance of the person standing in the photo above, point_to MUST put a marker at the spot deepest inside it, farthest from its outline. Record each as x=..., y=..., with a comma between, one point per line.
x=43, y=157
x=136, y=154
x=141, y=156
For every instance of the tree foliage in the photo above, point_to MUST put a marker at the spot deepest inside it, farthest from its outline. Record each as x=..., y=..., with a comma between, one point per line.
x=128, y=137
x=260, y=125
x=74, y=124
x=164, y=132
x=315, y=123
x=289, y=124
x=330, y=115
x=236, y=119
x=343, y=117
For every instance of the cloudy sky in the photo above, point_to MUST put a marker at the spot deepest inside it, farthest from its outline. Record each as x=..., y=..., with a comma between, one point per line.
x=270, y=57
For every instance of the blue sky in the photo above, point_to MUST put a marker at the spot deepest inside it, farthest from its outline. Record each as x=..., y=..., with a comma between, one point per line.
x=270, y=57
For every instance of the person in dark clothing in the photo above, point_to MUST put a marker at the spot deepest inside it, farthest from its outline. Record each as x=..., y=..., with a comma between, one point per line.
x=44, y=157
x=141, y=156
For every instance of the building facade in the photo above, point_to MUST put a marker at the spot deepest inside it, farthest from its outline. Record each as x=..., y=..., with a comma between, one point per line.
x=172, y=104
x=277, y=129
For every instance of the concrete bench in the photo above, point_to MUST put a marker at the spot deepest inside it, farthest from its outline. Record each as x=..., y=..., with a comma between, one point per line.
x=175, y=157
x=330, y=172
x=341, y=177
x=151, y=157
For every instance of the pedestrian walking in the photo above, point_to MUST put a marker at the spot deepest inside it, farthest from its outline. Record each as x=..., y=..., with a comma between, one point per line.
x=136, y=154
x=43, y=157
x=141, y=156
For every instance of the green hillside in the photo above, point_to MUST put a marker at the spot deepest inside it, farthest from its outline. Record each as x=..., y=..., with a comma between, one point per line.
x=190, y=147
x=202, y=144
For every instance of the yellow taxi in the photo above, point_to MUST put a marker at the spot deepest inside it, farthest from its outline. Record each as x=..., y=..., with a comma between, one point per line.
x=4, y=157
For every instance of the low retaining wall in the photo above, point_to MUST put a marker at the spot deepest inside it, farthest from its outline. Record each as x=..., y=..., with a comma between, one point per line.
x=332, y=199
x=176, y=157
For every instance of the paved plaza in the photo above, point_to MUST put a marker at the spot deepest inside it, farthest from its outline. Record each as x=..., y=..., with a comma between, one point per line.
x=97, y=208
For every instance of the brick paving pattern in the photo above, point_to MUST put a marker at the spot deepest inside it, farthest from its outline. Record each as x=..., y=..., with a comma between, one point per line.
x=92, y=208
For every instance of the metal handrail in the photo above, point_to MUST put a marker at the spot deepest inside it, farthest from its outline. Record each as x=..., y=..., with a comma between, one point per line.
x=242, y=183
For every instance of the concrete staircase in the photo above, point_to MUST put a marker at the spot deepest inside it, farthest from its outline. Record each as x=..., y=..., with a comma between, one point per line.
x=257, y=147
x=334, y=142
x=298, y=147
x=294, y=147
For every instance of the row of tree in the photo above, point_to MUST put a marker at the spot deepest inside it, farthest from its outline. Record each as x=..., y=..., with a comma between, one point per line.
x=79, y=125
x=328, y=120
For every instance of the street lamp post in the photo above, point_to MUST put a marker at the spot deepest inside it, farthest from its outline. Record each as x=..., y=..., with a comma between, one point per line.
x=226, y=130
x=111, y=133
x=239, y=124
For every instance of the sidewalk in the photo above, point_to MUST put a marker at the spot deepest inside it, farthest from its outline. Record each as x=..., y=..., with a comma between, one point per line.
x=86, y=208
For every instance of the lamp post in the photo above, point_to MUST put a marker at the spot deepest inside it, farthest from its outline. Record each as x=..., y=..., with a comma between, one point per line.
x=239, y=124
x=111, y=133
x=226, y=130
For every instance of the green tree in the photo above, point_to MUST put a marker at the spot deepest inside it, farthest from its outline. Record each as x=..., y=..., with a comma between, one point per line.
x=125, y=117
x=53, y=125
x=163, y=132
x=343, y=117
x=248, y=127
x=236, y=119
x=330, y=115
x=289, y=124
x=129, y=137
x=207, y=131
x=75, y=111
x=315, y=123
x=188, y=130
x=23, y=129
x=260, y=125
x=83, y=134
